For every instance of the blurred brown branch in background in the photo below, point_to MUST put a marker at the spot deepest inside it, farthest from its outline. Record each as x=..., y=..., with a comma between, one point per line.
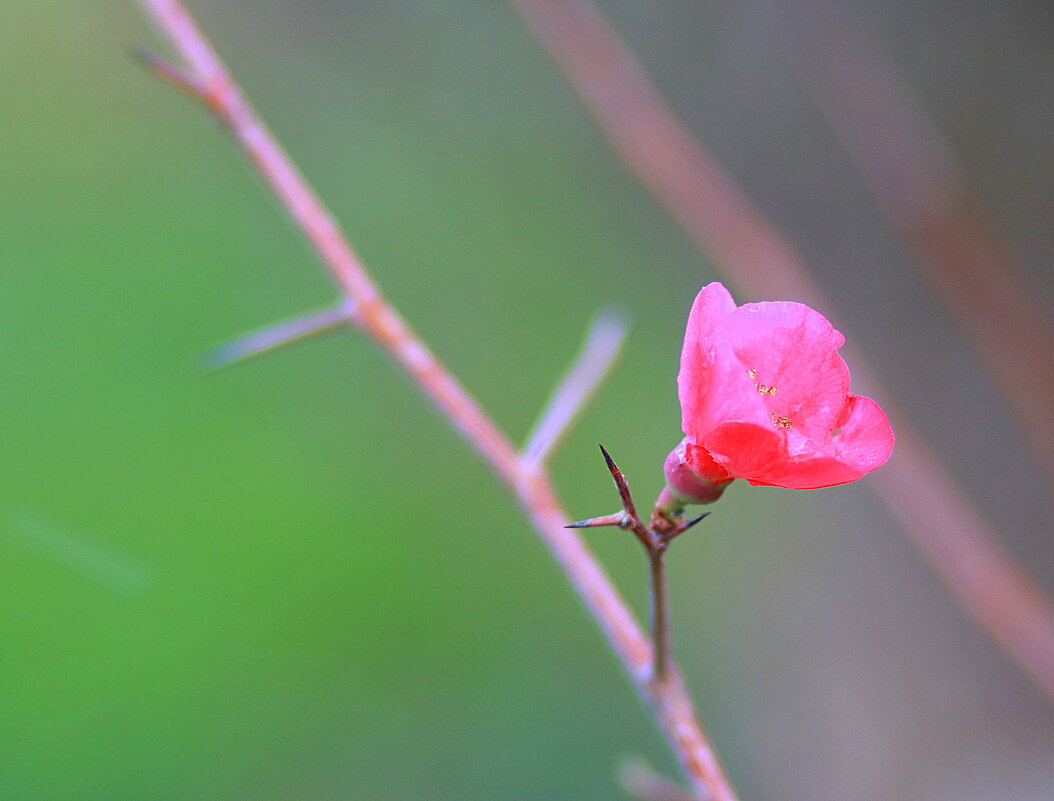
x=204, y=76
x=725, y=225
x=924, y=194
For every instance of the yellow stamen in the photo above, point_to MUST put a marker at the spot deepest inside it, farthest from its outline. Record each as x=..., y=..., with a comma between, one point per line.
x=764, y=389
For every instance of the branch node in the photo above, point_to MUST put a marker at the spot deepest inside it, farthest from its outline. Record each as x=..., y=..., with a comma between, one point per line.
x=170, y=73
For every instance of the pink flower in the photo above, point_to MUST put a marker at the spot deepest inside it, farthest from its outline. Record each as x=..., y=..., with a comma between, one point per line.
x=765, y=396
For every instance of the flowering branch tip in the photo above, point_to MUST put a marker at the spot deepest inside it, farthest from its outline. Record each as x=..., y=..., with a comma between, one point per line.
x=765, y=397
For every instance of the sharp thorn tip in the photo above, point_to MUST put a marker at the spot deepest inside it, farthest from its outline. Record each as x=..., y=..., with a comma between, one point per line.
x=689, y=523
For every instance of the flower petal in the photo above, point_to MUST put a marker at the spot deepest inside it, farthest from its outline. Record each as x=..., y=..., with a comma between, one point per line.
x=712, y=304
x=791, y=354
x=864, y=443
x=747, y=449
x=723, y=392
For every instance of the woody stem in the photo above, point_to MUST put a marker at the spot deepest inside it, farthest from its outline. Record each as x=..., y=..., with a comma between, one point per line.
x=660, y=624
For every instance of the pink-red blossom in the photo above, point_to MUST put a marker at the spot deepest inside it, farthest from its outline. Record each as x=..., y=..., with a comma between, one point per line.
x=765, y=396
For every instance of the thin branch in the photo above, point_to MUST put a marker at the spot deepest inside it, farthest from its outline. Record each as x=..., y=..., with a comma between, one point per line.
x=376, y=317
x=686, y=180
x=659, y=612
x=282, y=334
x=599, y=353
x=913, y=174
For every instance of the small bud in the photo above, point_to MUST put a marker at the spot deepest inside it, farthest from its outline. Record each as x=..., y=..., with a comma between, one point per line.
x=691, y=478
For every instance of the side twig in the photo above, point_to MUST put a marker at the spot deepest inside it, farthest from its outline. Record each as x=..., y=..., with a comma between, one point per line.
x=378, y=319
x=598, y=355
x=282, y=334
x=687, y=181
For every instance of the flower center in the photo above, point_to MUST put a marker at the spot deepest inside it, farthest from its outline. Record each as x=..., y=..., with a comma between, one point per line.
x=764, y=389
x=778, y=420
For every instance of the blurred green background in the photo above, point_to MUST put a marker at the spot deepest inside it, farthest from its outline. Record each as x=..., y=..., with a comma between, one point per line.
x=290, y=580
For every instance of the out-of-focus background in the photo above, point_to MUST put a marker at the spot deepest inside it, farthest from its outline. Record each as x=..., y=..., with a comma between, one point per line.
x=291, y=580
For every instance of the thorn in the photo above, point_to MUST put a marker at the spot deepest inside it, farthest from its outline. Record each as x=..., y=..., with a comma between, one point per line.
x=279, y=335
x=617, y=519
x=683, y=527
x=621, y=484
x=687, y=524
x=169, y=72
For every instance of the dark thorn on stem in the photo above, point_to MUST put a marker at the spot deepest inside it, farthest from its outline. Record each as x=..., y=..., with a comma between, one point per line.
x=621, y=484
x=687, y=524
